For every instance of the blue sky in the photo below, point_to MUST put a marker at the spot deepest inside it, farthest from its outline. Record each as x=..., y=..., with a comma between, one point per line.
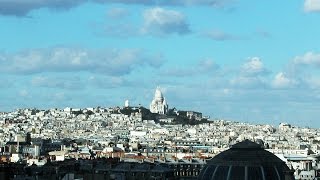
x=243, y=60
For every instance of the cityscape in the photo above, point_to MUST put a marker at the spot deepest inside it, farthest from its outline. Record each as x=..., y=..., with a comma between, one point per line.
x=159, y=89
x=131, y=142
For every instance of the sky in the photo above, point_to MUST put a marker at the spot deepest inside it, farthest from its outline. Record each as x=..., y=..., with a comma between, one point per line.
x=240, y=60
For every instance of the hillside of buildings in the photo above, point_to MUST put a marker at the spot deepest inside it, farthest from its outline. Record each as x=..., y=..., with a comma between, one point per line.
x=176, y=117
x=138, y=134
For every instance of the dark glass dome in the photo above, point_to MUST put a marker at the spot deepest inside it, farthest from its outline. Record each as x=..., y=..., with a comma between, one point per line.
x=246, y=161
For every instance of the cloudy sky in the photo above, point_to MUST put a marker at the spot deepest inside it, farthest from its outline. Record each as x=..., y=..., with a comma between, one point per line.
x=243, y=60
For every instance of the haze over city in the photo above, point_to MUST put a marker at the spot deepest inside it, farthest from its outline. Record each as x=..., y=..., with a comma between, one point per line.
x=242, y=60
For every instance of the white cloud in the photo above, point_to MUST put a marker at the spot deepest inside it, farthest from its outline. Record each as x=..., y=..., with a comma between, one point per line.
x=282, y=81
x=105, y=61
x=309, y=58
x=304, y=68
x=156, y=21
x=159, y=21
x=254, y=67
x=23, y=7
x=312, y=5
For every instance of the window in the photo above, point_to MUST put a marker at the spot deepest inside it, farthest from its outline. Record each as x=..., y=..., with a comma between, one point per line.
x=221, y=173
x=207, y=172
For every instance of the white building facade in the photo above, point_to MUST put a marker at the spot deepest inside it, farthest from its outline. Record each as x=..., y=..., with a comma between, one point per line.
x=159, y=104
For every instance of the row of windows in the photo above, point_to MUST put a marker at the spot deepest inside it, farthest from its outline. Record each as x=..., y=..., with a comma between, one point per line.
x=307, y=176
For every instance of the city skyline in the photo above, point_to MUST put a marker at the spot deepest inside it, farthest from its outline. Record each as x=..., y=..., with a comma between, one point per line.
x=231, y=59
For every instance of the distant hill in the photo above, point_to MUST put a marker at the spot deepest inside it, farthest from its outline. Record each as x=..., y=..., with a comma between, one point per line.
x=178, y=119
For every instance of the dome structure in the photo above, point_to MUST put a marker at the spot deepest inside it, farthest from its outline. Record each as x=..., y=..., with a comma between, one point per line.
x=158, y=95
x=246, y=161
x=126, y=103
x=158, y=104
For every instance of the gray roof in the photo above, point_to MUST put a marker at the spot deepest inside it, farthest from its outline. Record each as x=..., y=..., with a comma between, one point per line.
x=246, y=161
x=246, y=153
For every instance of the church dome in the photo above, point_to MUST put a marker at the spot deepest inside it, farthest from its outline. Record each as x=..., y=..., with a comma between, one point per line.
x=158, y=95
x=246, y=161
x=158, y=104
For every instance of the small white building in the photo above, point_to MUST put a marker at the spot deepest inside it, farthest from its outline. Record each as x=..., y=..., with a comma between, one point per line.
x=126, y=103
x=58, y=155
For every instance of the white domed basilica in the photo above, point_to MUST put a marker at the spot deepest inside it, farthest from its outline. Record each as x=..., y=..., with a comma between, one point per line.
x=159, y=104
